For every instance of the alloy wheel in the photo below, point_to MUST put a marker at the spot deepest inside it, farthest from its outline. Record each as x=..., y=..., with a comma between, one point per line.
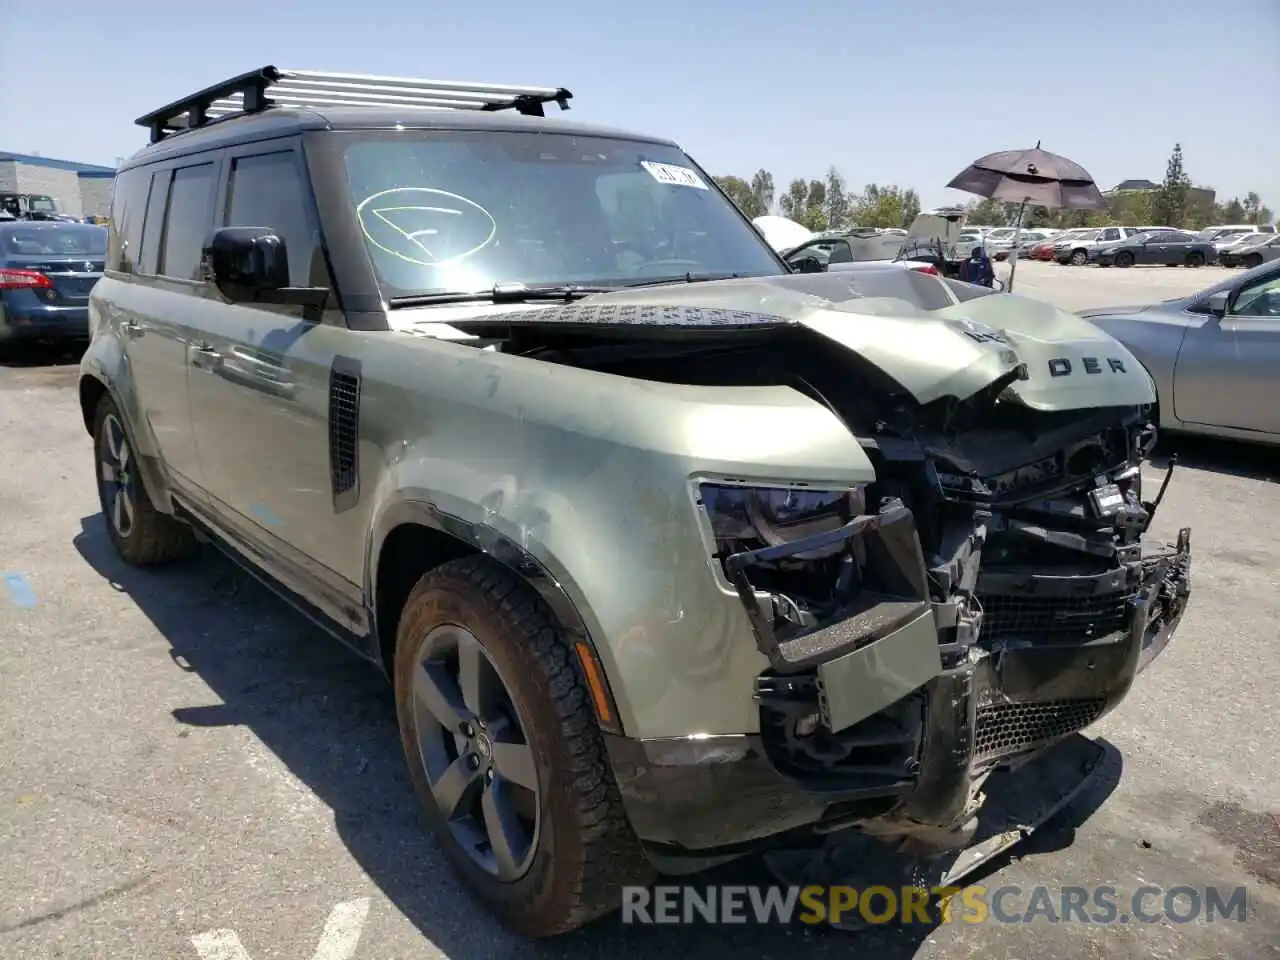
x=475, y=752
x=116, y=476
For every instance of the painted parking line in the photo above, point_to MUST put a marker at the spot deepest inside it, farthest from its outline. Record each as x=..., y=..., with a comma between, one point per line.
x=18, y=589
x=338, y=940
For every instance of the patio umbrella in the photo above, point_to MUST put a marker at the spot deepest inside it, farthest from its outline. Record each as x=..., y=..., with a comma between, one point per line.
x=1034, y=177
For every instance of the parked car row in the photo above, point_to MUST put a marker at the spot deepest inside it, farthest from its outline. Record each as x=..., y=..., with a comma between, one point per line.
x=1232, y=245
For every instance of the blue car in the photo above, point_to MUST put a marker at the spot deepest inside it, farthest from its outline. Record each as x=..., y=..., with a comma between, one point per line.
x=47, y=269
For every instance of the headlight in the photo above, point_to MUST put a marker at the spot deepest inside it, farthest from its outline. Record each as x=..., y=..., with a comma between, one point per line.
x=771, y=516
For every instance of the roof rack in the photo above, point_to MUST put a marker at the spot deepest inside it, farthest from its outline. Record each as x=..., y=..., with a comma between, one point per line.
x=248, y=93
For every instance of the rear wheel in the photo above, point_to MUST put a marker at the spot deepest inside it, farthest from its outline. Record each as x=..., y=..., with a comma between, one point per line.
x=505, y=754
x=1079, y=258
x=1195, y=259
x=141, y=534
x=1124, y=259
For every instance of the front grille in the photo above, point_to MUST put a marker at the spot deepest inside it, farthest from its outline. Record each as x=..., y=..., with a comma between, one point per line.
x=1005, y=729
x=1052, y=619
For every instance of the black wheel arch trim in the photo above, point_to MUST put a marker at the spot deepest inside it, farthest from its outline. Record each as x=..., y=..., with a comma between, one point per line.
x=416, y=507
x=153, y=479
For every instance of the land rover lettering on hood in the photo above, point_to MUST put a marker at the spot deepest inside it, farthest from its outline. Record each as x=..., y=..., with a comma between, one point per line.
x=670, y=554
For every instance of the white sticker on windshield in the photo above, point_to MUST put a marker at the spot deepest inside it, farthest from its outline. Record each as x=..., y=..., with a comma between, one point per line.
x=673, y=175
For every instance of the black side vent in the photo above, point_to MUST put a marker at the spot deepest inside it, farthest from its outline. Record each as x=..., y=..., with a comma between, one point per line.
x=344, y=432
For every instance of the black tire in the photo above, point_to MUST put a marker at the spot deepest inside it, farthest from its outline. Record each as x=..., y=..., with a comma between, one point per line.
x=1252, y=260
x=1194, y=259
x=1124, y=259
x=583, y=849
x=150, y=537
x=1078, y=258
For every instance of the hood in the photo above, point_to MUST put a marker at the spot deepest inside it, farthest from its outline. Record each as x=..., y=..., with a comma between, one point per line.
x=782, y=233
x=957, y=351
x=929, y=227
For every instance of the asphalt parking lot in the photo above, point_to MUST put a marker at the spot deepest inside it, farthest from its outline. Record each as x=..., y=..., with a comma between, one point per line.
x=189, y=770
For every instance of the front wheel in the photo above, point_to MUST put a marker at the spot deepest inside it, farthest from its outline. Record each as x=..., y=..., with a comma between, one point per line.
x=1252, y=260
x=141, y=534
x=1124, y=259
x=1079, y=258
x=505, y=754
x=1195, y=259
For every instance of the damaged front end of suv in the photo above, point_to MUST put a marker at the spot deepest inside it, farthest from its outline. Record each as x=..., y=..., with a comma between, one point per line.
x=987, y=595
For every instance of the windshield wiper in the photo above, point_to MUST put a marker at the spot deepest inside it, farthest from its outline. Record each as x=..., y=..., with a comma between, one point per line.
x=687, y=278
x=500, y=293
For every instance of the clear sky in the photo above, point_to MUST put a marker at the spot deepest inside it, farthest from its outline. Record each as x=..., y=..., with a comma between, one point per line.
x=889, y=92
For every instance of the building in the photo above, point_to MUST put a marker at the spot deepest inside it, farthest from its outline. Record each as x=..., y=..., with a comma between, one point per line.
x=79, y=189
x=1196, y=195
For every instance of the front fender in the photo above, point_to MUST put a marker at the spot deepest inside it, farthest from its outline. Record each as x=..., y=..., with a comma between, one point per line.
x=591, y=477
x=416, y=506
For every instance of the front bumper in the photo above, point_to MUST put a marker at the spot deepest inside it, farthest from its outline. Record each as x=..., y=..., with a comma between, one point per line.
x=915, y=759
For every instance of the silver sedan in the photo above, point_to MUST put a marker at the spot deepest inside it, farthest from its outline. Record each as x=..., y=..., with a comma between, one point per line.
x=1213, y=355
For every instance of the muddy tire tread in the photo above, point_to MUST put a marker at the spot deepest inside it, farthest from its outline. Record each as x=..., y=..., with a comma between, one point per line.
x=603, y=855
x=157, y=538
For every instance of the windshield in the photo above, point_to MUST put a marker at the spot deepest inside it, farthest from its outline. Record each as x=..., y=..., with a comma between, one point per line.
x=464, y=211
x=70, y=240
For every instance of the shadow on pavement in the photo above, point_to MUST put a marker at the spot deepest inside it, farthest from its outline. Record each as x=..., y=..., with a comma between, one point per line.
x=1252, y=461
x=41, y=355
x=329, y=717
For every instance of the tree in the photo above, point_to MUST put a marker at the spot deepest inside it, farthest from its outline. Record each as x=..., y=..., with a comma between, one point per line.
x=793, y=201
x=762, y=190
x=910, y=206
x=739, y=191
x=1233, y=211
x=885, y=206
x=1136, y=209
x=988, y=213
x=837, y=200
x=1169, y=205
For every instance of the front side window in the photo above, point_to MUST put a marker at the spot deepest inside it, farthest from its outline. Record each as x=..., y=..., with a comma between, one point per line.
x=266, y=190
x=464, y=211
x=1258, y=299
x=186, y=221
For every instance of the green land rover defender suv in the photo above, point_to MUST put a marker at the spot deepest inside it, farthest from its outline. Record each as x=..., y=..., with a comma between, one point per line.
x=671, y=554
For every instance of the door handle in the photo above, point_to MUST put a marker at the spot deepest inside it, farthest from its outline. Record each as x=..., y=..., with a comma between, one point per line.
x=203, y=355
x=132, y=329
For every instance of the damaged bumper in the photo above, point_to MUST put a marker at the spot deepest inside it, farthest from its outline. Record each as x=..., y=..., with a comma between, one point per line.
x=892, y=715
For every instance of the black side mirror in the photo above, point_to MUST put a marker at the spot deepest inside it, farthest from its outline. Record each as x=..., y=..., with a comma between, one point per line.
x=251, y=265
x=1217, y=303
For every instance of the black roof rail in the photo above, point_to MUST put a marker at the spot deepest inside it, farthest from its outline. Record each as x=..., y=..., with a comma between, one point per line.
x=268, y=86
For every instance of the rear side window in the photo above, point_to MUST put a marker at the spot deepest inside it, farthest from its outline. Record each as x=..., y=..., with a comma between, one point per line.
x=128, y=207
x=186, y=222
x=267, y=190
x=149, y=258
